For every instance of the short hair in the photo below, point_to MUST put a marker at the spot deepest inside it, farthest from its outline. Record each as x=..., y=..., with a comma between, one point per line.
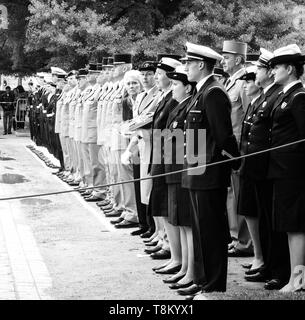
x=299, y=69
x=7, y=87
x=135, y=74
x=209, y=64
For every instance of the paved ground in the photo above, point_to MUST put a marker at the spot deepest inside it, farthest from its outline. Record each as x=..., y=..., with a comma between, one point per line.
x=60, y=247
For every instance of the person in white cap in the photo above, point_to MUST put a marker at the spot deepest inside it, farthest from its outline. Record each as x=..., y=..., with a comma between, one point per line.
x=286, y=166
x=255, y=198
x=209, y=112
x=234, y=58
x=56, y=73
x=158, y=197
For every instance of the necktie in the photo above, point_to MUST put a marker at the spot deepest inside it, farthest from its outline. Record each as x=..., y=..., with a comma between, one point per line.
x=227, y=83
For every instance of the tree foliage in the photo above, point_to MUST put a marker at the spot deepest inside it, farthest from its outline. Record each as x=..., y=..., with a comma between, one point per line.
x=71, y=32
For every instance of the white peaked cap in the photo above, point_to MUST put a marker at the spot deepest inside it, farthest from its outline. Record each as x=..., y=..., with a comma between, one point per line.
x=58, y=71
x=291, y=53
x=168, y=64
x=199, y=52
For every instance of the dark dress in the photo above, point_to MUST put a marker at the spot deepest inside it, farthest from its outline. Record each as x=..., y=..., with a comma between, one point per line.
x=178, y=198
x=158, y=201
x=287, y=165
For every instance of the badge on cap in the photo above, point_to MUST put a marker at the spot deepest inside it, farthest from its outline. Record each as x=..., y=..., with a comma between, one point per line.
x=175, y=124
x=284, y=104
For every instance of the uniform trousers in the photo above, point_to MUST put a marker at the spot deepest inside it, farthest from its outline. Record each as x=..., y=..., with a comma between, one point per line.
x=80, y=162
x=98, y=170
x=117, y=189
x=88, y=176
x=65, y=150
x=274, y=244
x=237, y=224
x=72, y=154
x=125, y=172
x=210, y=236
x=103, y=160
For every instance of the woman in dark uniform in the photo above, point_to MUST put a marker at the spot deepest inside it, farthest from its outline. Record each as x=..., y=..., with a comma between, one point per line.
x=179, y=219
x=287, y=165
x=158, y=198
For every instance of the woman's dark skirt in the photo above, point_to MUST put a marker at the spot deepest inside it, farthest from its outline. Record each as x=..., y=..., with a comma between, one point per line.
x=159, y=198
x=289, y=205
x=179, y=205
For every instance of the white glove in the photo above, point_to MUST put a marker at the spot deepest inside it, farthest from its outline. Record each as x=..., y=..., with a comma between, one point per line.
x=125, y=157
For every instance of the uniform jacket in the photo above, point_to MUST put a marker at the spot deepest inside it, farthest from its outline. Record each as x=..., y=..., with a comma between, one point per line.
x=89, y=116
x=165, y=106
x=174, y=160
x=288, y=125
x=256, y=134
x=210, y=110
x=239, y=101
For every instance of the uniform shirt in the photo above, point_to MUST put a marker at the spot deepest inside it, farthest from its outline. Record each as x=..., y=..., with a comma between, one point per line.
x=239, y=101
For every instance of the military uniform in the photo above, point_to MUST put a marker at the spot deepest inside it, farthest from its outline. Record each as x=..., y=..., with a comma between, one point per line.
x=209, y=109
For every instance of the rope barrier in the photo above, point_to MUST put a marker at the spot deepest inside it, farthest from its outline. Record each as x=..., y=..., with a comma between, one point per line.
x=155, y=176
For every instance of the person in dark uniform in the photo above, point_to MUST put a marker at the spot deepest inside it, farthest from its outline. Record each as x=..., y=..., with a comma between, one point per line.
x=247, y=205
x=286, y=167
x=179, y=216
x=7, y=104
x=158, y=198
x=209, y=110
x=256, y=190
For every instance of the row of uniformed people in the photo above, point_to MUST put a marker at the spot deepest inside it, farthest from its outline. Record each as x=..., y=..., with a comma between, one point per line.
x=194, y=216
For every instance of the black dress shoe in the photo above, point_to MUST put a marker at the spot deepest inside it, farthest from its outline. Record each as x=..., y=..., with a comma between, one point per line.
x=138, y=232
x=158, y=268
x=151, y=244
x=173, y=281
x=152, y=250
x=116, y=221
x=126, y=224
x=257, y=277
x=275, y=284
x=93, y=199
x=175, y=286
x=234, y=252
x=193, y=289
x=246, y=265
x=253, y=271
x=172, y=270
x=162, y=254
x=113, y=214
x=146, y=235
